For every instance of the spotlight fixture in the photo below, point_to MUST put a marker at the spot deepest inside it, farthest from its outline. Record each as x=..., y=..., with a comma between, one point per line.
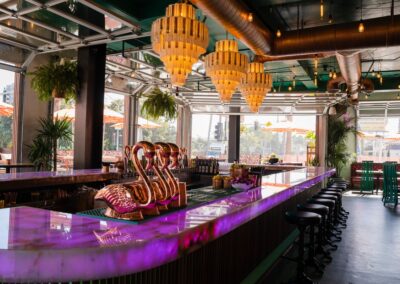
x=278, y=33
x=332, y=110
x=330, y=19
x=361, y=27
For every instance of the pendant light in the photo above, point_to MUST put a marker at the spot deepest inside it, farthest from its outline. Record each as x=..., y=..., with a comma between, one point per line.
x=226, y=67
x=278, y=33
x=179, y=38
x=361, y=27
x=255, y=85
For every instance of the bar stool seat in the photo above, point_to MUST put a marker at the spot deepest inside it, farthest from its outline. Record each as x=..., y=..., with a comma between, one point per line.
x=303, y=218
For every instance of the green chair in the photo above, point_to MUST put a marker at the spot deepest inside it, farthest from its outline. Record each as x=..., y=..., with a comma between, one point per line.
x=367, y=177
x=390, y=187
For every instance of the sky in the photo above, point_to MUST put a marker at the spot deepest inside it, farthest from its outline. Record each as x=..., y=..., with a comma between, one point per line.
x=6, y=78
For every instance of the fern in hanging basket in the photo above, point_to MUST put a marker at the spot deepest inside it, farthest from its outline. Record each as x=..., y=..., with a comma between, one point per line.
x=55, y=80
x=159, y=104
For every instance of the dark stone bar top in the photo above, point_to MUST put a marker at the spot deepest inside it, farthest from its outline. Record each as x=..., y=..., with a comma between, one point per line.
x=46, y=246
x=15, y=181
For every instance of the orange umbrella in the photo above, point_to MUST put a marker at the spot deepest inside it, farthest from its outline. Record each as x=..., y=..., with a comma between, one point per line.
x=285, y=127
x=110, y=116
x=6, y=109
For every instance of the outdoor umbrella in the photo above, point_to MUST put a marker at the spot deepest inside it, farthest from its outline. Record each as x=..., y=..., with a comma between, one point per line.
x=142, y=123
x=6, y=109
x=110, y=116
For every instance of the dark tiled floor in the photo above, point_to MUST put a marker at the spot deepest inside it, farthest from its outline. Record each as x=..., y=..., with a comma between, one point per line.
x=369, y=252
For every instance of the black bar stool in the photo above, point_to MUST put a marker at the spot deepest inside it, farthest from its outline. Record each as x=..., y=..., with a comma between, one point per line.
x=330, y=236
x=302, y=220
x=323, y=211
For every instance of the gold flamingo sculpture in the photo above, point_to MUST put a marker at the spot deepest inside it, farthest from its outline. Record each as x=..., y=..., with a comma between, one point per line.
x=181, y=197
x=164, y=155
x=153, y=192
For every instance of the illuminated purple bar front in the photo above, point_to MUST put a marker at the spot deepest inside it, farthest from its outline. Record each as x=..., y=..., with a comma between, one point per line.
x=42, y=246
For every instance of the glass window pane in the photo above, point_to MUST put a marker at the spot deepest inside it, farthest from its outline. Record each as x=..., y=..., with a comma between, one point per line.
x=210, y=136
x=378, y=139
x=156, y=130
x=113, y=122
x=6, y=114
x=286, y=137
x=65, y=150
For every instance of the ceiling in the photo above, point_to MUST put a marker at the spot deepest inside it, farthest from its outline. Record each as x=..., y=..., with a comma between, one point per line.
x=32, y=27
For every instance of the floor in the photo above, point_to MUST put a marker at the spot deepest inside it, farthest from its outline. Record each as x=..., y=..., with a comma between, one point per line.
x=369, y=252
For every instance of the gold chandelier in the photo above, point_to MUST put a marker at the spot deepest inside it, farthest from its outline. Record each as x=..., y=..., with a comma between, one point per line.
x=179, y=38
x=226, y=67
x=255, y=85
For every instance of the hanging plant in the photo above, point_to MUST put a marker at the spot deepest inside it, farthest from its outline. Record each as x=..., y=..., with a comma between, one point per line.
x=55, y=80
x=159, y=104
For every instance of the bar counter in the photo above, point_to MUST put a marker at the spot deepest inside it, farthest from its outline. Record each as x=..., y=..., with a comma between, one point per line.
x=15, y=181
x=46, y=246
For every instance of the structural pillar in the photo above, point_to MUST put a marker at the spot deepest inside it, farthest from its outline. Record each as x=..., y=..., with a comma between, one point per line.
x=88, y=140
x=234, y=136
x=184, y=129
x=321, y=138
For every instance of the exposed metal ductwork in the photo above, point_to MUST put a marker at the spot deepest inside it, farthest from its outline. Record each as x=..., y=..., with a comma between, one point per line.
x=350, y=67
x=233, y=16
x=306, y=43
x=379, y=32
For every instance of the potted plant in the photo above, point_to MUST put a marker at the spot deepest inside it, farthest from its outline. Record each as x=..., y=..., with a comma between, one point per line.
x=159, y=104
x=44, y=147
x=337, y=154
x=273, y=159
x=55, y=80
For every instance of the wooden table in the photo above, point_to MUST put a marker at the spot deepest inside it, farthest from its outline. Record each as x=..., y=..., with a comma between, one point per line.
x=8, y=167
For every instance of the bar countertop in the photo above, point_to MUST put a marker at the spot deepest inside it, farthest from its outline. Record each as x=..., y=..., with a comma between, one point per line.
x=15, y=181
x=41, y=246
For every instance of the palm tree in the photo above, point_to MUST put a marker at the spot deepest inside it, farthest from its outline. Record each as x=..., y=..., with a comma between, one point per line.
x=53, y=131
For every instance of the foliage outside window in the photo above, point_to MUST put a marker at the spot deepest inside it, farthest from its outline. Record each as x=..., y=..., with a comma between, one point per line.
x=286, y=137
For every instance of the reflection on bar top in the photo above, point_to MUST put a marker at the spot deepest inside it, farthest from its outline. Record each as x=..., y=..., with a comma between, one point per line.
x=49, y=174
x=31, y=228
x=87, y=248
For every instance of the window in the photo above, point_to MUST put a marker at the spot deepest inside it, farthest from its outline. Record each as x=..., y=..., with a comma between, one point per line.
x=160, y=130
x=6, y=113
x=378, y=139
x=113, y=120
x=284, y=136
x=210, y=136
x=65, y=150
